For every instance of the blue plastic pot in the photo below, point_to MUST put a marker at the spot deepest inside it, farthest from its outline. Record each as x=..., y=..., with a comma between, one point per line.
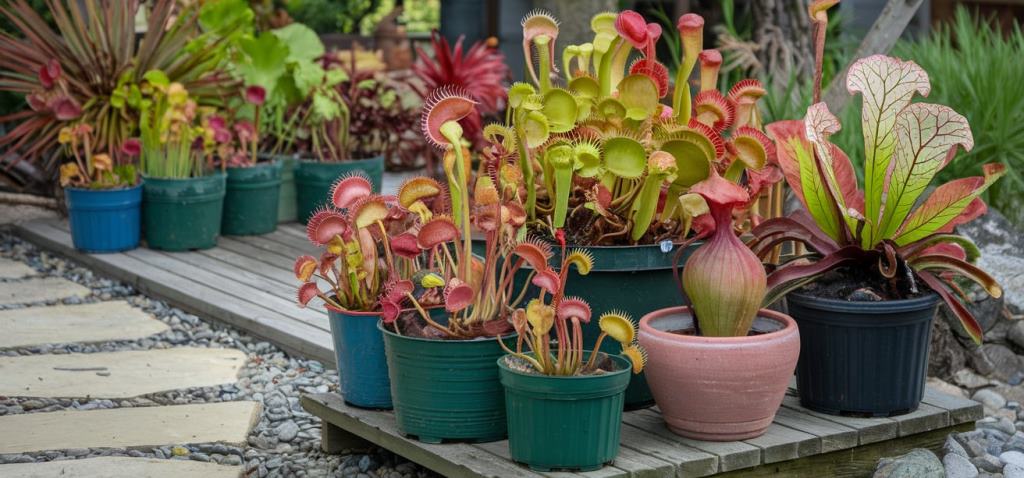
x=362, y=366
x=104, y=220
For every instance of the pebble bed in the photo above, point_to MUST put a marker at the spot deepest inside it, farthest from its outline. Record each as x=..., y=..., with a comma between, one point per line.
x=995, y=448
x=285, y=442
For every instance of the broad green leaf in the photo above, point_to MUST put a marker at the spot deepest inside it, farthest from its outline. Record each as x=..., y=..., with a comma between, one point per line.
x=946, y=203
x=560, y=110
x=308, y=76
x=887, y=85
x=157, y=78
x=694, y=154
x=263, y=62
x=926, y=139
x=224, y=16
x=625, y=157
x=639, y=94
x=325, y=108
x=302, y=42
x=817, y=199
x=335, y=76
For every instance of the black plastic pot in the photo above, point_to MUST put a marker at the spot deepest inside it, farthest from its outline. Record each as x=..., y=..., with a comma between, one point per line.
x=862, y=358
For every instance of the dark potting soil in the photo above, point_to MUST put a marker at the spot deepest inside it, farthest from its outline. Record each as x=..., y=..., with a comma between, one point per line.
x=853, y=284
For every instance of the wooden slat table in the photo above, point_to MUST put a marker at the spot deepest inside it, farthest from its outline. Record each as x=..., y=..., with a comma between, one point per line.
x=799, y=443
x=246, y=282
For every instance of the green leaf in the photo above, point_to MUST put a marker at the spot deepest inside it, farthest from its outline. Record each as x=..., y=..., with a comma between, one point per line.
x=625, y=157
x=819, y=201
x=560, y=110
x=887, y=85
x=335, y=76
x=945, y=204
x=820, y=123
x=639, y=95
x=303, y=43
x=157, y=78
x=263, y=61
x=325, y=108
x=926, y=139
x=308, y=76
x=222, y=16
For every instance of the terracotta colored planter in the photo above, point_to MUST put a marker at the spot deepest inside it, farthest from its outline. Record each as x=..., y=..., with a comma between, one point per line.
x=719, y=388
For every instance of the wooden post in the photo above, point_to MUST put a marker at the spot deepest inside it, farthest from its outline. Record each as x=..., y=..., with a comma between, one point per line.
x=880, y=39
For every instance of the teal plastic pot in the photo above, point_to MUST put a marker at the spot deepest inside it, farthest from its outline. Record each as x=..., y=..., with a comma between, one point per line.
x=635, y=280
x=359, y=351
x=250, y=203
x=182, y=214
x=313, y=181
x=286, y=198
x=564, y=423
x=446, y=390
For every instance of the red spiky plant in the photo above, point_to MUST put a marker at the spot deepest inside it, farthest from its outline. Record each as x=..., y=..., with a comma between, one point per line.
x=480, y=72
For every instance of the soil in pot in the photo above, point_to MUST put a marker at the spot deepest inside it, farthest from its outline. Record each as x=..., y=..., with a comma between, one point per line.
x=446, y=390
x=718, y=388
x=104, y=220
x=564, y=423
x=250, y=203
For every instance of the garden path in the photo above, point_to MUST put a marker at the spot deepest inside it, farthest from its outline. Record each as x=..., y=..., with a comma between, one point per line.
x=121, y=374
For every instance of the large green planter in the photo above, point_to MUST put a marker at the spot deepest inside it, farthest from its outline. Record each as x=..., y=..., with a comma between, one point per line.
x=564, y=423
x=313, y=181
x=286, y=200
x=182, y=214
x=635, y=280
x=250, y=204
x=446, y=389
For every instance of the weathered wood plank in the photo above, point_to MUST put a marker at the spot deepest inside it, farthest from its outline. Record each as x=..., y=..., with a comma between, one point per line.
x=869, y=430
x=832, y=436
x=780, y=443
x=291, y=335
x=687, y=461
x=852, y=462
x=925, y=418
x=731, y=455
x=961, y=410
x=451, y=460
x=500, y=449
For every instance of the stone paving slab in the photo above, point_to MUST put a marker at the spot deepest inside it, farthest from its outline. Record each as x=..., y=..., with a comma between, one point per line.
x=10, y=269
x=118, y=374
x=143, y=427
x=39, y=290
x=120, y=467
x=58, y=324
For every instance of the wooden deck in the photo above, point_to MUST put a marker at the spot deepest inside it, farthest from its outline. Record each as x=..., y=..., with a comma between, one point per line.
x=247, y=282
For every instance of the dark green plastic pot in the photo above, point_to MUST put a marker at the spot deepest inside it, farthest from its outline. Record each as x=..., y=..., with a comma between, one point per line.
x=182, y=214
x=313, y=181
x=564, y=423
x=862, y=358
x=286, y=199
x=635, y=280
x=250, y=204
x=446, y=390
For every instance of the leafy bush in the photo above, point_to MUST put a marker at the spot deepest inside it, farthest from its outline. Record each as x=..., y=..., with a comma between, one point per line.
x=982, y=77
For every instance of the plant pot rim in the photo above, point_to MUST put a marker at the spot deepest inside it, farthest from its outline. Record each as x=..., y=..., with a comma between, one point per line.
x=380, y=325
x=312, y=160
x=789, y=327
x=259, y=164
x=104, y=190
x=211, y=175
x=627, y=367
x=930, y=299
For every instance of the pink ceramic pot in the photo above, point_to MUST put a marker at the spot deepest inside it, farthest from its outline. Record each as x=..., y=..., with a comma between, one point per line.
x=719, y=388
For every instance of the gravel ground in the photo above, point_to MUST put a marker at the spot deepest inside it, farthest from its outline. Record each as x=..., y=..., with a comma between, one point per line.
x=286, y=440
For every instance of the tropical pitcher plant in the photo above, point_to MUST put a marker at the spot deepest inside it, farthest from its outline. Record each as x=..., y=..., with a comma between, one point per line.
x=601, y=156
x=893, y=233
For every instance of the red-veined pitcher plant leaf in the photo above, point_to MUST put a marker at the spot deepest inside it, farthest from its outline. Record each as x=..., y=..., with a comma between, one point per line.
x=966, y=318
x=946, y=203
x=926, y=139
x=790, y=277
x=799, y=226
x=971, y=252
x=947, y=263
x=820, y=123
x=887, y=85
